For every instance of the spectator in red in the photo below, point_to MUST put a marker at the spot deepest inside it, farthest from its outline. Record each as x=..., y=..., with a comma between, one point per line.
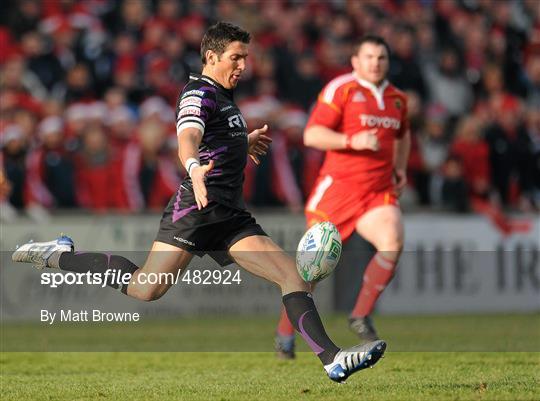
x=167, y=13
x=120, y=124
x=94, y=172
x=158, y=79
x=150, y=178
x=153, y=37
x=473, y=152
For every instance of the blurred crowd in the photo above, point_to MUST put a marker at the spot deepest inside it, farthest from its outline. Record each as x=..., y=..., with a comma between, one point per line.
x=88, y=89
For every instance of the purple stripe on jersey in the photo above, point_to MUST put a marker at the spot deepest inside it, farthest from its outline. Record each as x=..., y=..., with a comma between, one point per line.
x=312, y=344
x=210, y=103
x=214, y=152
x=177, y=212
x=215, y=172
x=208, y=88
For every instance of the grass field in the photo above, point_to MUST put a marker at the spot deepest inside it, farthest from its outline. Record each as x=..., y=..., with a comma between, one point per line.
x=484, y=358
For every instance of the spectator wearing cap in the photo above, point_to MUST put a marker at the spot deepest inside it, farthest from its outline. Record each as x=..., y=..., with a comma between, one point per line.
x=50, y=170
x=76, y=119
x=156, y=109
x=121, y=124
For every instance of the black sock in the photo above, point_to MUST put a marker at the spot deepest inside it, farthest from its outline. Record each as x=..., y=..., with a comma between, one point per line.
x=82, y=262
x=306, y=320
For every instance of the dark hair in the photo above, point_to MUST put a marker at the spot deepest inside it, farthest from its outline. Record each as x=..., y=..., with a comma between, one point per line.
x=218, y=37
x=377, y=40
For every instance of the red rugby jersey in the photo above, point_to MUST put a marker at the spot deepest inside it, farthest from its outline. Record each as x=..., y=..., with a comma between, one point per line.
x=349, y=104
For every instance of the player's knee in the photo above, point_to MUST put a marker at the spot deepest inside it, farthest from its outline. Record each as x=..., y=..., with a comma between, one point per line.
x=392, y=245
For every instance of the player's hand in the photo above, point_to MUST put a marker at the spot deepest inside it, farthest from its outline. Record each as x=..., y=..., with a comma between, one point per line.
x=365, y=140
x=400, y=177
x=198, y=177
x=258, y=143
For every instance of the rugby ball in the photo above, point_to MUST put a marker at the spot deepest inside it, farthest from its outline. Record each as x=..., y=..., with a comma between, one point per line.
x=318, y=252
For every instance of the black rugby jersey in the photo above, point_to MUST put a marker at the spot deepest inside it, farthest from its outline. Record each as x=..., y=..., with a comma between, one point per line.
x=208, y=106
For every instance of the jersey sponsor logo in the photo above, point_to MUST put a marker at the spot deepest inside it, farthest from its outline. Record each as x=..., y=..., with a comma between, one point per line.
x=195, y=92
x=226, y=108
x=184, y=241
x=358, y=97
x=376, y=121
x=237, y=133
x=191, y=101
x=237, y=121
x=191, y=111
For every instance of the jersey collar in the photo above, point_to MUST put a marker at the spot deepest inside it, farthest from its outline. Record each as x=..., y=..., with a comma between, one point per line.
x=207, y=79
x=377, y=91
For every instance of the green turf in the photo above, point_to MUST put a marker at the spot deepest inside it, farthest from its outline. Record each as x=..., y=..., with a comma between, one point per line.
x=413, y=375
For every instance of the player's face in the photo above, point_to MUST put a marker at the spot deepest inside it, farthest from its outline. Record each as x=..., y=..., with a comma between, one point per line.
x=228, y=68
x=371, y=62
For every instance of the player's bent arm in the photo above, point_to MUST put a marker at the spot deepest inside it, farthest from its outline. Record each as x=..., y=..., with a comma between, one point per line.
x=189, y=140
x=402, y=148
x=323, y=138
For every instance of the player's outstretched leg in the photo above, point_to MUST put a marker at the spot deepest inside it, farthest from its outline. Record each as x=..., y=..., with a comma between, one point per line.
x=261, y=256
x=353, y=359
x=59, y=254
x=43, y=254
x=284, y=341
